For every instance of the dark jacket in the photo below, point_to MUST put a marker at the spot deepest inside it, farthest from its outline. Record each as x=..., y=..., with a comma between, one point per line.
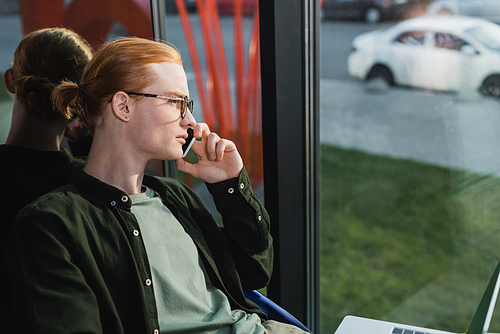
x=26, y=175
x=77, y=261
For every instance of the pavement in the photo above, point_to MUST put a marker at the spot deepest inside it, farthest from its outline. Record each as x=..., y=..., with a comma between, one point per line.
x=456, y=130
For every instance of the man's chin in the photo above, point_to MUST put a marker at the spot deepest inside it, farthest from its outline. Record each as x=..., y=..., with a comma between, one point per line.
x=172, y=156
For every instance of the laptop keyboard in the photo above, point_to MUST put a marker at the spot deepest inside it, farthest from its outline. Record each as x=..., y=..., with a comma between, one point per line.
x=398, y=330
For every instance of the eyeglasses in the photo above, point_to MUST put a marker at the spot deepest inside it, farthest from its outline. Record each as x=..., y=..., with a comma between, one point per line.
x=184, y=101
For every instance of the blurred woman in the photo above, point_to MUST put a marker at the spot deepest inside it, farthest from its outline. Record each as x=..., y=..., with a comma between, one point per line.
x=32, y=162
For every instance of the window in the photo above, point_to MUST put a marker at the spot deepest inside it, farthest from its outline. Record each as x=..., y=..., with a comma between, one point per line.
x=94, y=20
x=223, y=71
x=409, y=173
x=411, y=37
x=448, y=41
x=220, y=50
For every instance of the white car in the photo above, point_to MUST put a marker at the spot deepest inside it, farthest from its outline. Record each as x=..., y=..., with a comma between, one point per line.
x=443, y=52
x=485, y=9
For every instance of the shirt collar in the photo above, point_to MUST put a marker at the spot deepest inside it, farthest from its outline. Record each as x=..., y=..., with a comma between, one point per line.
x=111, y=196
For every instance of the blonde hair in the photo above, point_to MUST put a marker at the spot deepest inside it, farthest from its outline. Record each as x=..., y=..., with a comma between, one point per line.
x=120, y=65
x=42, y=60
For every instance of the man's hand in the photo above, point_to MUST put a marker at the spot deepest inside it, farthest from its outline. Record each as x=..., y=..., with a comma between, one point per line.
x=218, y=159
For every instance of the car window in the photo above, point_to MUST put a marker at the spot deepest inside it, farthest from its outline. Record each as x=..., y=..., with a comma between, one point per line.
x=448, y=41
x=411, y=37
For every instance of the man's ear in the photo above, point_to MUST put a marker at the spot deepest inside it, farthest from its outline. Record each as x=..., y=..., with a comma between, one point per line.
x=119, y=105
x=8, y=79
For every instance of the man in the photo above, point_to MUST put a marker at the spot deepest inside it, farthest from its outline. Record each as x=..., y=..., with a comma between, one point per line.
x=118, y=251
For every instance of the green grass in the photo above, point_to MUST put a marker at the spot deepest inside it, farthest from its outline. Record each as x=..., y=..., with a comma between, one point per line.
x=404, y=241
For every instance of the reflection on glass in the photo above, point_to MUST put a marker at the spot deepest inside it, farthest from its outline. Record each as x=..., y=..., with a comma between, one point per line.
x=224, y=71
x=410, y=169
x=10, y=35
x=220, y=48
x=97, y=21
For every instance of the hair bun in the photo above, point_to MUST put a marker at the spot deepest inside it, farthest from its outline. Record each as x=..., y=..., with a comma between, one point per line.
x=32, y=83
x=29, y=88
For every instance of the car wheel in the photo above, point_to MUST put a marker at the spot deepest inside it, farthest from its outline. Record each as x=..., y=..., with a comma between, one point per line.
x=382, y=72
x=491, y=86
x=373, y=15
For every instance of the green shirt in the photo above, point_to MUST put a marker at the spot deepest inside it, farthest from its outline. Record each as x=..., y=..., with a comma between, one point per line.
x=185, y=302
x=78, y=263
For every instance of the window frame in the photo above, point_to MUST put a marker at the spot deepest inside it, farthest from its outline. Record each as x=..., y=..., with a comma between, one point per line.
x=290, y=122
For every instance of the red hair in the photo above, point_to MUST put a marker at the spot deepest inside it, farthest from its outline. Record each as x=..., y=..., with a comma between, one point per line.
x=120, y=65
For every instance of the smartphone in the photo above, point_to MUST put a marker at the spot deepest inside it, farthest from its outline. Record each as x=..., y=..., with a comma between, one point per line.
x=189, y=142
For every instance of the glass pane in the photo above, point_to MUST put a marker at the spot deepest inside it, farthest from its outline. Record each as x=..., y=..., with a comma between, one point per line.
x=410, y=163
x=10, y=35
x=97, y=21
x=220, y=52
x=220, y=49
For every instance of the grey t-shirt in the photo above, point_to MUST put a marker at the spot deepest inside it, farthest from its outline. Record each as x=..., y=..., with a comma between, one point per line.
x=186, y=301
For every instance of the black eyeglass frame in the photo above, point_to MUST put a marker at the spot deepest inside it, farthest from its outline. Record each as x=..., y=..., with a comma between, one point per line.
x=186, y=101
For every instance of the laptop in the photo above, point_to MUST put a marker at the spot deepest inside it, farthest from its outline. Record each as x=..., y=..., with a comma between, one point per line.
x=480, y=322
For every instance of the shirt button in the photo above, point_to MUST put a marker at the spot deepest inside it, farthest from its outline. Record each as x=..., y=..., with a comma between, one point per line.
x=259, y=218
x=230, y=190
x=136, y=233
x=156, y=331
x=124, y=199
x=113, y=203
x=148, y=282
x=242, y=186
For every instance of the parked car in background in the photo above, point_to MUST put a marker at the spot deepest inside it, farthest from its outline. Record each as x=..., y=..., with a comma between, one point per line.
x=226, y=7
x=442, y=52
x=371, y=11
x=486, y=9
x=171, y=7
